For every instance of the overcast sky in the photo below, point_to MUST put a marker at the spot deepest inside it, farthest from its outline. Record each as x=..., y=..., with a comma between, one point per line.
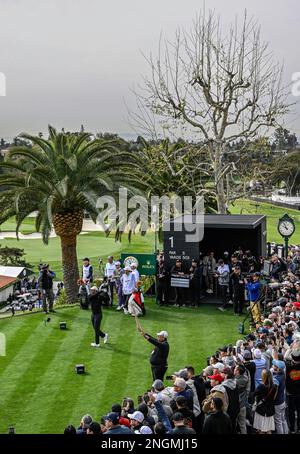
x=73, y=62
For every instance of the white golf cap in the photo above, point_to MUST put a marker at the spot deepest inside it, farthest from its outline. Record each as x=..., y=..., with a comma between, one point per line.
x=163, y=333
x=219, y=366
x=127, y=268
x=94, y=287
x=137, y=416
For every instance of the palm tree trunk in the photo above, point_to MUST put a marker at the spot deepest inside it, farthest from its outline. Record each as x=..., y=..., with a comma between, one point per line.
x=70, y=266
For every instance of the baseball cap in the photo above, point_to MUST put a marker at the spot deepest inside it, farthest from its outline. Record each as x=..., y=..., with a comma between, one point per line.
x=127, y=268
x=137, y=416
x=158, y=385
x=94, y=287
x=216, y=377
x=250, y=337
x=247, y=354
x=257, y=353
x=177, y=416
x=224, y=349
x=163, y=333
x=113, y=417
x=182, y=373
x=145, y=430
x=263, y=330
x=279, y=364
x=117, y=263
x=296, y=304
x=219, y=366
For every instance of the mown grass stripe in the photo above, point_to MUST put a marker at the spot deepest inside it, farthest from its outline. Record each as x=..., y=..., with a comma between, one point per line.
x=84, y=354
x=42, y=392
x=17, y=332
x=53, y=377
x=105, y=360
x=19, y=383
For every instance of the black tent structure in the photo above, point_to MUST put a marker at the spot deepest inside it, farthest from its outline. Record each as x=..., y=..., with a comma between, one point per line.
x=220, y=233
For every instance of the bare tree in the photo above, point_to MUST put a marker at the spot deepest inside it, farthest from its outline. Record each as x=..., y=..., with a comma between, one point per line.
x=222, y=86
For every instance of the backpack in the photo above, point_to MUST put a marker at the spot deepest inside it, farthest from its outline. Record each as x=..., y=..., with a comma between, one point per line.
x=233, y=402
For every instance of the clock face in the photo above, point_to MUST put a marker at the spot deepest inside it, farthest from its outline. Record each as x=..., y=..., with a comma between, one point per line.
x=130, y=260
x=286, y=228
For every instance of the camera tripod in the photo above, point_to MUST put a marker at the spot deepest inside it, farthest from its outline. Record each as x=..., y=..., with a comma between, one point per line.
x=258, y=303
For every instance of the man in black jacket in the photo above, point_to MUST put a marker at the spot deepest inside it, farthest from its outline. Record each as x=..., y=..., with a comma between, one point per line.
x=217, y=422
x=159, y=356
x=96, y=299
x=238, y=290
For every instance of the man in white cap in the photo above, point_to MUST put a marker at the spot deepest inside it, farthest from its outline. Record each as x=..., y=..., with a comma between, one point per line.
x=128, y=286
x=110, y=274
x=135, y=272
x=159, y=356
x=136, y=421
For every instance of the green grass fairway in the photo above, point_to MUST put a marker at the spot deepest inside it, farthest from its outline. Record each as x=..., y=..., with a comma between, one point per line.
x=28, y=226
x=40, y=392
x=96, y=244
x=92, y=245
x=273, y=213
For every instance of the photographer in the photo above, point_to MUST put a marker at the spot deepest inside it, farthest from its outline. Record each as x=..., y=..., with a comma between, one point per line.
x=254, y=289
x=195, y=272
x=277, y=267
x=45, y=283
x=162, y=282
x=238, y=289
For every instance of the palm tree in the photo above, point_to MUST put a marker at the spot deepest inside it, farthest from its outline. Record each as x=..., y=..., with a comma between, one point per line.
x=61, y=178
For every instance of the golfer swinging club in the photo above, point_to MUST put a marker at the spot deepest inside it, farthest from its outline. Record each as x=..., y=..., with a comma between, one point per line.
x=159, y=356
x=96, y=298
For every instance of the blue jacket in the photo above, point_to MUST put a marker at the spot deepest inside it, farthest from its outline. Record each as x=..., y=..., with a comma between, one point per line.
x=253, y=290
x=279, y=379
x=260, y=364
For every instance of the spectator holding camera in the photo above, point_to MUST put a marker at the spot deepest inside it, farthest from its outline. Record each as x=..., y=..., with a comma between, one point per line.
x=254, y=290
x=238, y=290
x=45, y=282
